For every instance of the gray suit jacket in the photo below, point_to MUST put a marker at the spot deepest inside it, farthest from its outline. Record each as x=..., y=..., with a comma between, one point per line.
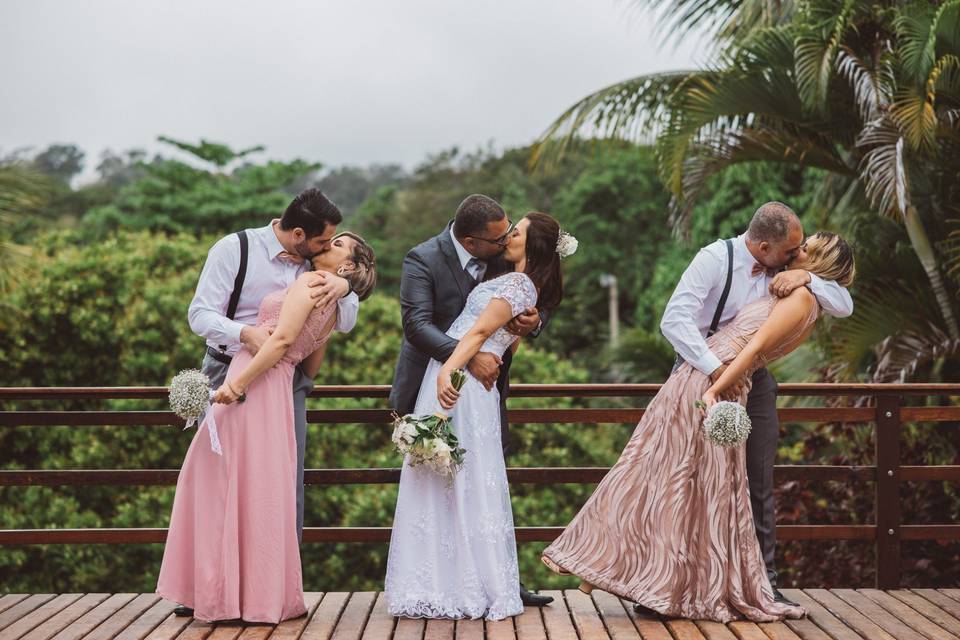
x=433, y=291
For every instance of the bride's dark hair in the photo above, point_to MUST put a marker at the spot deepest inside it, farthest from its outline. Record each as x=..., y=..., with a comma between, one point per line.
x=543, y=261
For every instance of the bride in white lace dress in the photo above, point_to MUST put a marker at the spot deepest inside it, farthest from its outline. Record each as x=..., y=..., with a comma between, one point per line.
x=453, y=553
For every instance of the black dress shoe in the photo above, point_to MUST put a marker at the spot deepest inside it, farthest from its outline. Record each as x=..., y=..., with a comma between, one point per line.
x=531, y=599
x=184, y=612
x=782, y=599
x=644, y=611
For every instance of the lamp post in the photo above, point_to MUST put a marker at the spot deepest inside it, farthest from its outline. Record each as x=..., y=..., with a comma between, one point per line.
x=609, y=281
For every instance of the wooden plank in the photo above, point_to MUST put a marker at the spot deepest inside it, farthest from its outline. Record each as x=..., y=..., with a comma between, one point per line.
x=807, y=630
x=65, y=617
x=850, y=616
x=529, y=625
x=466, y=630
x=715, y=630
x=684, y=630
x=196, y=630
x=380, y=624
x=326, y=617
x=226, y=631
x=586, y=618
x=11, y=599
x=171, y=627
x=650, y=627
x=949, y=605
x=526, y=390
x=498, y=629
x=354, y=617
x=412, y=628
x=953, y=593
x=909, y=616
x=747, y=631
x=47, y=610
x=291, y=629
x=556, y=618
x=835, y=629
x=22, y=608
x=439, y=630
x=779, y=631
x=887, y=497
x=516, y=475
x=92, y=619
x=615, y=618
x=877, y=614
x=112, y=626
x=866, y=532
x=148, y=621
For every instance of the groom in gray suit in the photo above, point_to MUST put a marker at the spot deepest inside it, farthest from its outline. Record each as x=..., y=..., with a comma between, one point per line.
x=437, y=277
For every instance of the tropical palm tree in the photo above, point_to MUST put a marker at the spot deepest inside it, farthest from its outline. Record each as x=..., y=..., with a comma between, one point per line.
x=868, y=92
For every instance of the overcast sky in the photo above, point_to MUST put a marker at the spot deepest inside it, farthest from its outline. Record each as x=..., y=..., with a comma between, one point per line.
x=348, y=82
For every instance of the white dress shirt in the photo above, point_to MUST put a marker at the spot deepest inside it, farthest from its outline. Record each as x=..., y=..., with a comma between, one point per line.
x=690, y=311
x=477, y=268
x=266, y=272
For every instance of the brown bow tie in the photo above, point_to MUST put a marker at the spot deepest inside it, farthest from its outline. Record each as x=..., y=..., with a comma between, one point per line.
x=759, y=268
x=291, y=257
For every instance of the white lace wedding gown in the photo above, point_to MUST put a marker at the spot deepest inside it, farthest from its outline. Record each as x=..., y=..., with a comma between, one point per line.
x=453, y=553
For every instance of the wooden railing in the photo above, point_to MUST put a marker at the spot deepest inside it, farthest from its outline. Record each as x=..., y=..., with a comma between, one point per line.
x=886, y=405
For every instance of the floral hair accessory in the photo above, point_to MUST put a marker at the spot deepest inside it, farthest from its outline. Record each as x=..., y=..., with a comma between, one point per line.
x=566, y=244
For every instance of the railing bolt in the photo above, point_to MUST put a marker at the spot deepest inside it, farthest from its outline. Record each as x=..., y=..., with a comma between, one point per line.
x=889, y=414
x=890, y=531
x=890, y=473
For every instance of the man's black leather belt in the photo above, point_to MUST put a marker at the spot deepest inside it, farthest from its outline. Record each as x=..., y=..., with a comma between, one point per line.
x=219, y=356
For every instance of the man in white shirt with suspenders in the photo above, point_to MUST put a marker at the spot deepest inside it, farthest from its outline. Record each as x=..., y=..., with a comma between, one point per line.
x=724, y=277
x=241, y=269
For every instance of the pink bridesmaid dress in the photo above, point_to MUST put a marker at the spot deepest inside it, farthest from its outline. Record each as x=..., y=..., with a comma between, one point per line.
x=670, y=526
x=232, y=548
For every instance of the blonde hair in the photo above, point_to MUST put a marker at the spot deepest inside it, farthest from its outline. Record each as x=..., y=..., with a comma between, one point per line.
x=363, y=278
x=830, y=257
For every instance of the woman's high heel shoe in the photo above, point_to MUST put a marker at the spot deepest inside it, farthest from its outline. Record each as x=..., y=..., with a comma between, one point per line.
x=586, y=587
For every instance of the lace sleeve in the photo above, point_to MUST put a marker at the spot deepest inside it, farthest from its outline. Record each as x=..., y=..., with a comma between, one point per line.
x=517, y=289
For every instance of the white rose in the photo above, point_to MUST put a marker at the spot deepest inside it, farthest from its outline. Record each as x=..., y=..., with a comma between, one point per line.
x=408, y=432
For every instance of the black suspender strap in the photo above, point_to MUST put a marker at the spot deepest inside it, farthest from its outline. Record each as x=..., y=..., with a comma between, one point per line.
x=726, y=289
x=238, y=282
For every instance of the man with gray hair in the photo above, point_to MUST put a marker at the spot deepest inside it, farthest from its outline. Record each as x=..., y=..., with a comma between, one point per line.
x=724, y=277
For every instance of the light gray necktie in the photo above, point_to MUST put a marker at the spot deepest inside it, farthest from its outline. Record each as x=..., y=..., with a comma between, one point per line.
x=473, y=269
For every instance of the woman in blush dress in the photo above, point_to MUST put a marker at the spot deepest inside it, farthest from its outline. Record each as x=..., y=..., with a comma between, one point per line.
x=232, y=550
x=670, y=526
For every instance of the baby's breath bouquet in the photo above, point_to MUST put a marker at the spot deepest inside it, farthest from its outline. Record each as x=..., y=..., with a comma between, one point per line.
x=727, y=423
x=429, y=440
x=190, y=396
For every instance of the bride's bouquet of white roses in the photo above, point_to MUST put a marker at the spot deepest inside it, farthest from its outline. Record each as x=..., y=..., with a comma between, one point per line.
x=429, y=440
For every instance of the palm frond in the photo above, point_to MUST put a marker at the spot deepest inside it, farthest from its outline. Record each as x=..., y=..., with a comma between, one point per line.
x=901, y=355
x=917, y=41
x=625, y=110
x=871, y=86
x=728, y=19
x=882, y=168
x=816, y=50
x=757, y=143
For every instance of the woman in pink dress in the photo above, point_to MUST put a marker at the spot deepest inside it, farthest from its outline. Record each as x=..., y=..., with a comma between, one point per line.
x=670, y=526
x=232, y=550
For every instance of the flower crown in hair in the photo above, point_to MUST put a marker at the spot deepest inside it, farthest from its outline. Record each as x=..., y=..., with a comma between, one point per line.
x=566, y=244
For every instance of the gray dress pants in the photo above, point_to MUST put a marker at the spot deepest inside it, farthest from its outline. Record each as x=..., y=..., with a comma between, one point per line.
x=302, y=385
x=761, y=455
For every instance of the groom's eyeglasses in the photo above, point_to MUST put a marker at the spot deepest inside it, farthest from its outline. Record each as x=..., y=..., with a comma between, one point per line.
x=502, y=241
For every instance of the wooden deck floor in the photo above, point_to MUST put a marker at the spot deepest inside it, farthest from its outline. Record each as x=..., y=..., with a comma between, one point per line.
x=837, y=614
